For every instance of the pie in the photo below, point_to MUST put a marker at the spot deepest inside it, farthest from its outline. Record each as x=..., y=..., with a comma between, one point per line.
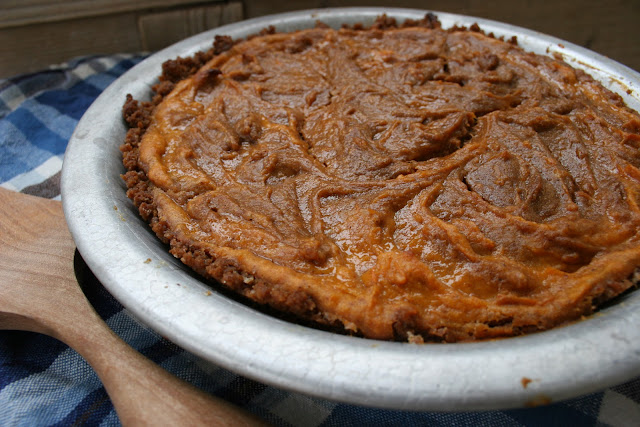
x=397, y=182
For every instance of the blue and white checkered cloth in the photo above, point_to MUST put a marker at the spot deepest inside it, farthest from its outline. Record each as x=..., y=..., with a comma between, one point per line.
x=43, y=382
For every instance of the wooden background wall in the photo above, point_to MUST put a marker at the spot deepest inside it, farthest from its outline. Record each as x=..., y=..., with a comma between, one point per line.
x=37, y=33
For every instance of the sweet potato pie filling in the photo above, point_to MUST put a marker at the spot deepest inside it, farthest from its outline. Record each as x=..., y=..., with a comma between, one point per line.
x=396, y=182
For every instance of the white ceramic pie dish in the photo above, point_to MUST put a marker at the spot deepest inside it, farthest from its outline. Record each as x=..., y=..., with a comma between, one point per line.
x=158, y=289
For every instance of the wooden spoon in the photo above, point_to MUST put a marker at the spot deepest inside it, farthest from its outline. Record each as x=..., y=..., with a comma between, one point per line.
x=39, y=293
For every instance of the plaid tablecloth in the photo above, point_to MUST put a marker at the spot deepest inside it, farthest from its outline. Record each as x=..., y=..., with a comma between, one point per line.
x=43, y=382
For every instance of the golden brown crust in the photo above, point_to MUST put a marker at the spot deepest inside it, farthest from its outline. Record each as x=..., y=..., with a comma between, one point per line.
x=518, y=213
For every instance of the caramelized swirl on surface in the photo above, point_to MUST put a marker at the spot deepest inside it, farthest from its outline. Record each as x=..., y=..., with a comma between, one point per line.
x=403, y=183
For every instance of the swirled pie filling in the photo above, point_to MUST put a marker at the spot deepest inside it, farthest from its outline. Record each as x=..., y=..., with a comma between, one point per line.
x=397, y=182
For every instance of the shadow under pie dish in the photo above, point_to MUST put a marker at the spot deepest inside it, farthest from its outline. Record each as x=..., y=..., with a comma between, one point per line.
x=176, y=303
x=398, y=181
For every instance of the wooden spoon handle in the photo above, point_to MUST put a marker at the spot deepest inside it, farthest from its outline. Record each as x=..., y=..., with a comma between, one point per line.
x=39, y=292
x=145, y=394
